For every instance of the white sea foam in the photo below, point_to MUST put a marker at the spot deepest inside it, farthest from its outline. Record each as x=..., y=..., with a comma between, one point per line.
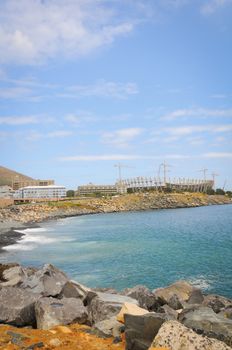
x=33, y=230
x=201, y=282
x=37, y=239
x=22, y=247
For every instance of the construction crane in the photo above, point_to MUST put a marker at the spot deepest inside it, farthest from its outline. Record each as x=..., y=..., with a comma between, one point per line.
x=224, y=185
x=214, y=176
x=120, y=166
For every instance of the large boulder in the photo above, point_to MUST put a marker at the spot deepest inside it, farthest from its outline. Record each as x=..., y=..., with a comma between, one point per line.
x=131, y=309
x=227, y=312
x=3, y=268
x=141, y=330
x=178, y=293
x=217, y=302
x=104, y=305
x=73, y=289
x=13, y=275
x=17, y=306
x=174, y=336
x=145, y=297
x=51, y=312
x=47, y=281
x=205, y=321
x=108, y=328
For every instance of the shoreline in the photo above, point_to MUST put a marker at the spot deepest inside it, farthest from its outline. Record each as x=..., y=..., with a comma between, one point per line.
x=10, y=236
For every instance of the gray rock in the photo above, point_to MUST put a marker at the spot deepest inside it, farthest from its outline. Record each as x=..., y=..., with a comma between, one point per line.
x=171, y=313
x=48, y=281
x=141, y=330
x=196, y=297
x=51, y=312
x=73, y=289
x=181, y=289
x=5, y=267
x=205, y=321
x=227, y=312
x=17, y=306
x=175, y=303
x=108, y=328
x=217, y=302
x=15, y=275
x=173, y=335
x=104, y=305
x=145, y=297
x=106, y=290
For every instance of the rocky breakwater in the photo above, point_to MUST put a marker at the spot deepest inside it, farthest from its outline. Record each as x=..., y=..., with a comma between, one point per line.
x=178, y=317
x=31, y=213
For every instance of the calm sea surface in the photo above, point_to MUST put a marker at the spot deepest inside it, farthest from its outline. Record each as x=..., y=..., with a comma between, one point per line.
x=154, y=248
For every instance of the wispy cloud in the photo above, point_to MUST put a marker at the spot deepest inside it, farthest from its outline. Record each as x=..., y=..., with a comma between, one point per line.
x=34, y=136
x=19, y=120
x=110, y=157
x=121, y=138
x=101, y=88
x=33, y=31
x=211, y=6
x=217, y=155
x=191, y=129
x=197, y=112
x=15, y=93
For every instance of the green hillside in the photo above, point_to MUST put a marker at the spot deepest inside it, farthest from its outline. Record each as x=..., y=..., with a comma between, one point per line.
x=8, y=175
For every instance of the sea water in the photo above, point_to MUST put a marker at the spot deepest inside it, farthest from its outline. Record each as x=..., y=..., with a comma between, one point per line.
x=153, y=248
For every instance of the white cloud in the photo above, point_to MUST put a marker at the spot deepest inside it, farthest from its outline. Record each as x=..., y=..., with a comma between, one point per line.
x=101, y=88
x=32, y=31
x=110, y=157
x=19, y=120
x=217, y=155
x=121, y=138
x=212, y=6
x=190, y=129
x=15, y=93
x=34, y=136
x=197, y=112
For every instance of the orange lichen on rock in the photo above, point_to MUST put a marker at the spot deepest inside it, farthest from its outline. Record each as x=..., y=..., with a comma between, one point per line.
x=73, y=337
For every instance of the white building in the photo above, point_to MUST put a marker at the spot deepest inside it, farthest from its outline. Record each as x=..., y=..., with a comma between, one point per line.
x=6, y=191
x=51, y=191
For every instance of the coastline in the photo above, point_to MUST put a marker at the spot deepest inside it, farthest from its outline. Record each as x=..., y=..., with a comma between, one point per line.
x=30, y=216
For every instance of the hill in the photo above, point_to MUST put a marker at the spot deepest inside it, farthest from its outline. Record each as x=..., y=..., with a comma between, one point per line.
x=8, y=175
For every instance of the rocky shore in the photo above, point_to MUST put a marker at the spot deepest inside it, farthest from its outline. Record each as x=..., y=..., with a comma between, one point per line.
x=28, y=215
x=17, y=215
x=51, y=311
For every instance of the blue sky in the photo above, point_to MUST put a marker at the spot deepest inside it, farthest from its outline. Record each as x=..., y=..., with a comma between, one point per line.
x=86, y=84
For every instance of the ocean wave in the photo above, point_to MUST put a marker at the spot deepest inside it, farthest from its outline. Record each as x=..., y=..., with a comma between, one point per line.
x=21, y=247
x=32, y=230
x=37, y=239
x=201, y=282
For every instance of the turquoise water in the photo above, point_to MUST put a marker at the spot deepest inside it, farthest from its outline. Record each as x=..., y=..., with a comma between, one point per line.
x=121, y=250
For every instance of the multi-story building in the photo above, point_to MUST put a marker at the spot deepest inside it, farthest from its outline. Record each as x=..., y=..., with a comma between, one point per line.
x=6, y=192
x=18, y=183
x=34, y=192
x=93, y=189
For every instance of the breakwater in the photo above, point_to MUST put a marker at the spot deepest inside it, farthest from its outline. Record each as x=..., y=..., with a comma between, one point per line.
x=131, y=202
x=175, y=317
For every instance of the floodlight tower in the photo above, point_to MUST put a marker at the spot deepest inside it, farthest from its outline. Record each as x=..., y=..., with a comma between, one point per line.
x=204, y=171
x=214, y=176
x=165, y=170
